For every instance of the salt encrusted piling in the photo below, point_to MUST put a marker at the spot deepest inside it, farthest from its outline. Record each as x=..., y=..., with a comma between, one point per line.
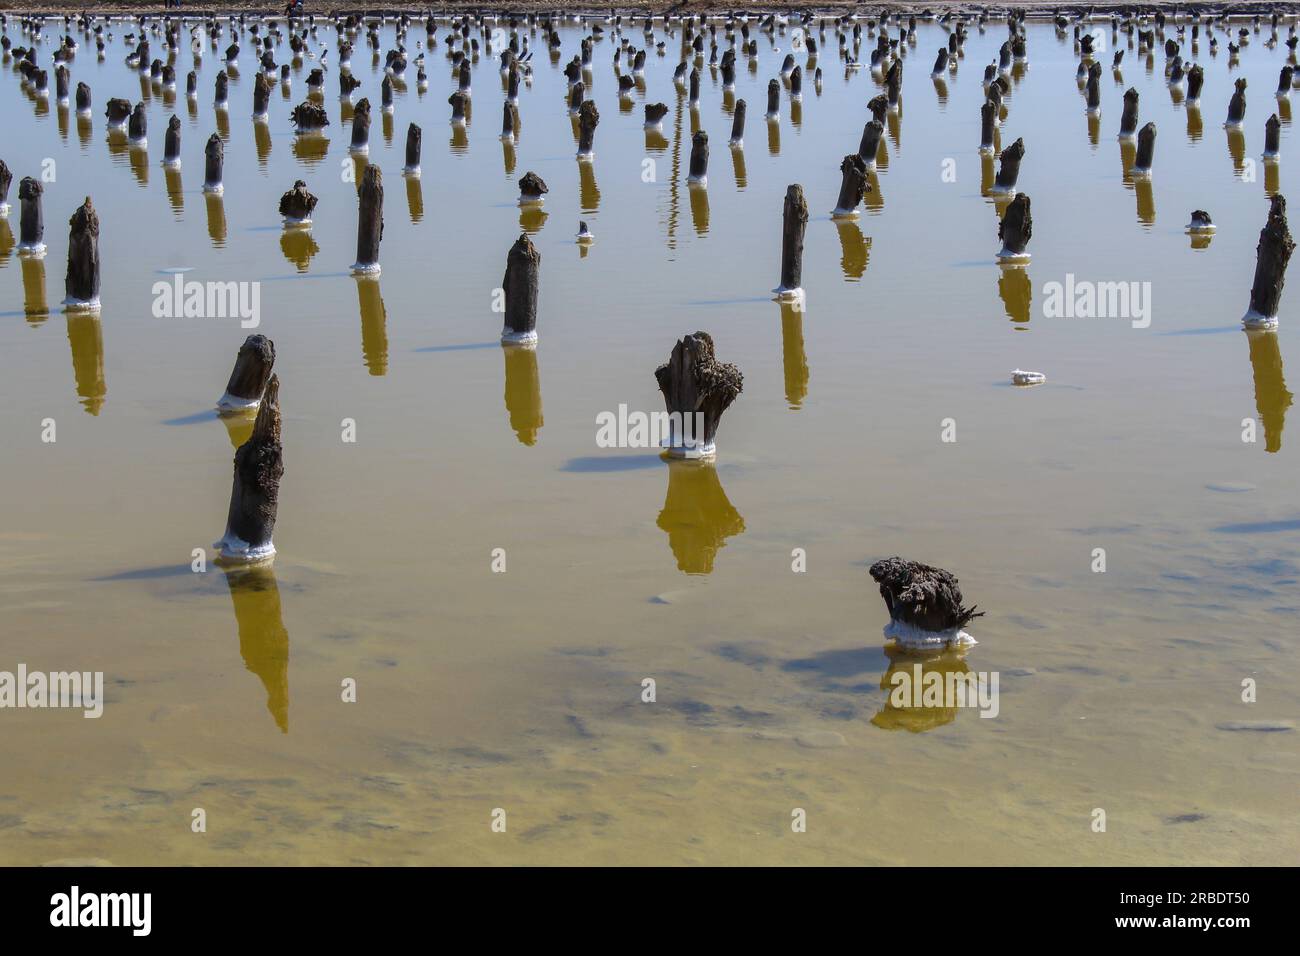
x=386, y=95
x=1015, y=229
x=347, y=83
x=773, y=99
x=699, y=167
x=924, y=603
x=1146, y=150
x=81, y=284
x=796, y=84
x=118, y=111
x=1271, y=258
x=370, y=222
x=6, y=180
x=1195, y=80
x=509, y=122
x=1009, y=168
x=588, y=117
x=870, y=143
x=61, y=84
x=940, y=63
x=532, y=189
x=523, y=274
x=297, y=204
x=414, y=137
x=1201, y=224
x=31, y=222
x=693, y=98
x=222, y=96
x=1237, y=105
x=794, y=221
x=988, y=117
x=250, y=376
x=1284, y=82
x=737, y=140
x=309, y=118
x=214, y=155
x=172, y=142
x=853, y=186
x=1272, y=138
x=261, y=96
x=457, y=101
x=83, y=99
x=137, y=133
x=361, y=128
x=698, y=389
x=1128, y=122
x=654, y=115
x=255, y=491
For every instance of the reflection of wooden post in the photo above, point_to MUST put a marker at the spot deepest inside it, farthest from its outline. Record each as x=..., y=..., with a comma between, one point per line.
x=81, y=284
x=370, y=222
x=694, y=381
x=1271, y=396
x=1015, y=229
x=523, y=394
x=255, y=492
x=1271, y=258
x=697, y=515
x=794, y=220
x=263, y=639
x=520, y=285
x=250, y=375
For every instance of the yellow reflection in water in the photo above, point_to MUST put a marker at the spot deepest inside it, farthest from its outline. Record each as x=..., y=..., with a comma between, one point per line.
x=414, y=198
x=263, y=640
x=1016, y=291
x=34, y=303
x=697, y=515
x=523, y=393
x=1271, y=396
x=854, y=249
x=298, y=246
x=310, y=148
x=216, y=219
x=175, y=190
x=793, y=358
x=374, y=325
x=86, y=337
x=588, y=191
x=900, y=711
x=262, y=142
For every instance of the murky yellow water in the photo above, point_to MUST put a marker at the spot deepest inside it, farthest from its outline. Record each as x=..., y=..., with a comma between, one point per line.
x=522, y=691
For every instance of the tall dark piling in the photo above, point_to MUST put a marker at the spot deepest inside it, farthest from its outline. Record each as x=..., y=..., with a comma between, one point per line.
x=172, y=142
x=1009, y=168
x=1146, y=150
x=738, y=125
x=414, y=137
x=773, y=99
x=1129, y=119
x=520, y=285
x=1272, y=138
x=255, y=491
x=699, y=167
x=31, y=221
x=794, y=221
x=588, y=117
x=214, y=156
x=361, y=128
x=370, y=222
x=853, y=186
x=81, y=284
x=1271, y=258
x=1237, y=105
x=1015, y=229
x=250, y=376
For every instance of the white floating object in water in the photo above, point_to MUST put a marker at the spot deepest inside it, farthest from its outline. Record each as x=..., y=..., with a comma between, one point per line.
x=1021, y=377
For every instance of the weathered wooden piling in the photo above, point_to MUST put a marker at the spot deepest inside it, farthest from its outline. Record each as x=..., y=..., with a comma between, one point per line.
x=796, y=84
x=214, y=156
x=794, y=221
x=773, y=99
x=1195, y=80
x=386, y=95
x=222, y=94
x=297, y=204
x=1015, y=229
x=699, y=167
x=1200, y=224
x=261, y=96
x=255, y=491
x=1009, y=168
x=360, y=128
x=370, y=222
x=853, y=186
x=693, y=97
x=1271, y=258
x=1237, y=105
x=457, y=101
x=1129, y=119
x=83, y=99
x=414, y=137
x=894, y=84
x=532, y=189
x=137, y=126
x=308, y=117
x=172, y=142
x=1284, y=82
x=117, y=111
x=1146, y=149
x=520, y=286
x=737, y=140
x=6, y=180
x=588, y=117
x=250, y=376
x=347, y=83
x=81, y=283
x=1092, y=91
x=924, y=603
x=1272, y=138
x=988, y=119
x=697, y=389
x=61, y=84
x=31, y=221
x=940, y=63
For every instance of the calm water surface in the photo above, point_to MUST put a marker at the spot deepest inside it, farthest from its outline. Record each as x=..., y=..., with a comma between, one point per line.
x=522, y=690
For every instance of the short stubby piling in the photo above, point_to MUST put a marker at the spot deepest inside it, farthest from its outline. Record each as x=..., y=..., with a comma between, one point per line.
x=250, y=376
x=697, y=389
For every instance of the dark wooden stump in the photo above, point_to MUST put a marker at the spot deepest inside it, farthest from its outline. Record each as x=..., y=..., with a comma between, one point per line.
x=853, y=186
x=214, y=156
x=81, y=284
x=361, y=128
x=940, y=63
x=118, y=111
x=924, y=603
x=249, y=378
x=255, y=491
x=1015, y=229
x=738, y=125
x=1272, y=137
x=6, y=180
x=31, y=221
x=457, y=101
x=297, y=204
x=988, y=118
x=1146, y=150
x=370, y=222
x=694, y=382
x=261, y=96
x=414, y=138
x=222, y=90
x=83, y=99
x=1237, y=105
x=588, y=117
x=773, y=99
x=1128, y=121
x=699, y=166
x=1195, y=80
x=1272, y=255
x=532, y=189
x=1009, y=167
x=520, y=285
x=794, y=221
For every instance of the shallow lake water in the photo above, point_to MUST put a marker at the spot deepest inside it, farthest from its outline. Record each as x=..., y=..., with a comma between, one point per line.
x=522, y=691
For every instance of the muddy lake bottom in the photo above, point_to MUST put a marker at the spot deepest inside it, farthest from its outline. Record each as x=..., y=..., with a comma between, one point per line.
x=522, y=691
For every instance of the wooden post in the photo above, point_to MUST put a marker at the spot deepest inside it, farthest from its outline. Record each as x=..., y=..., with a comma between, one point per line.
x=31, y=222
x=1146, y=150
x=520, y=285
x=250, y=376
x=737, y=140
x=261, y=96
x=1015, y=229
x=1271, y=258
x=853, y=186
x=457, y=101
x=83, y=99
x=172, y=143
x=924, y=603
x=297, y=204
x=1009, y=168
x=6, y=180
x=773, y=99
x=532, y=189
x=255, y=491
x=414, y=137
x=370, y=222
x=697, y=388
x=81, y=285
x=794, y=221
x=796, y=84
x=222, y=94
x=699, y=167
x=361, y=128
x=118, y=111
x=1272, y=138
x=1237, y=105
x=588, y=117
x=1195, y=80
x=214, y=154
x=988, y=116
x=1129, y=120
